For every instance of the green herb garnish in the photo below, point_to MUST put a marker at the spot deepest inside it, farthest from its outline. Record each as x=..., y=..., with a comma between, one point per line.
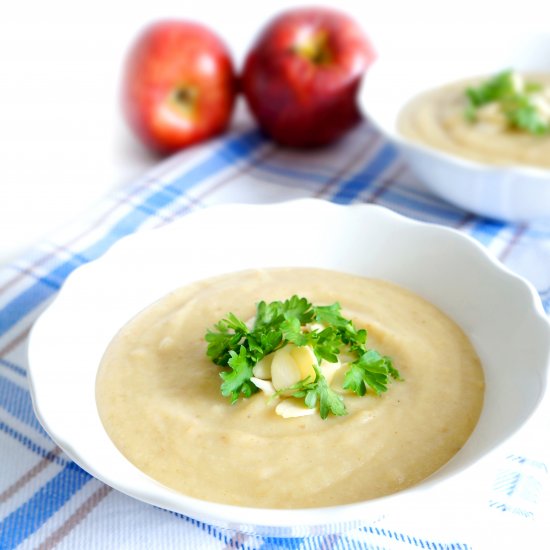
x=317, y=392
x=515, y=99
x=238, y=348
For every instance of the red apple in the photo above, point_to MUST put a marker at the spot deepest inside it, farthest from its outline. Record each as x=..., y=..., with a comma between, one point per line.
x=179, y=85
x=301, y=76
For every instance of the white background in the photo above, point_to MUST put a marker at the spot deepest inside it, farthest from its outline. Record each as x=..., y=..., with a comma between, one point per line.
x=63, y=143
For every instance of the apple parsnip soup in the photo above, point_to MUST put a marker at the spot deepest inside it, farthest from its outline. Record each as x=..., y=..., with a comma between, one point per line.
x=502, y=120
x=159, y=398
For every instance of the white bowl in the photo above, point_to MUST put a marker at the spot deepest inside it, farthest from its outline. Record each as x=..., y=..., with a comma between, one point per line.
x=500, y=312
x=511, y=193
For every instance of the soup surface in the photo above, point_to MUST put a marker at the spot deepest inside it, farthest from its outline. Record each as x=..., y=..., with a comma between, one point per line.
x=159, y=397
x=437, y=118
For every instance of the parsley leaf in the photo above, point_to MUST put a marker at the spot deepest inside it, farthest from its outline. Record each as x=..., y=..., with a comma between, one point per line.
x=221, y=342
x=522, y=113
x=326, y=344
x=329, y=400
x=494, y=89
x=298, y=308
x=371, y=370
x=292, y=332
x=515, y=99
x=318, y=391
x=236, y=382
x=237, y=348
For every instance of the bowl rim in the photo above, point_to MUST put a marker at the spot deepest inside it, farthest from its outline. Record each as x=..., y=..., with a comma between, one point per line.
x=256, y=518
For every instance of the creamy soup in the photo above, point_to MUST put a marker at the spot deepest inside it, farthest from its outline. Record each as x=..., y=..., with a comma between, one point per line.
x=437, y=118
x=159, y=397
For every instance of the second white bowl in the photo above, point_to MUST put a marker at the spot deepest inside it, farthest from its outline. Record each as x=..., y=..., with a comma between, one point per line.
x=510, y=193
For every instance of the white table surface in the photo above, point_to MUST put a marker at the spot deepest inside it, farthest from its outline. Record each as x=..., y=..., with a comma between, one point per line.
x=63, y=143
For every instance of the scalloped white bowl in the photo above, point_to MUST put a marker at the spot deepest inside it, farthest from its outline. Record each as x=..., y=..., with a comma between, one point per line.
x=511, y=193
x=500, y=312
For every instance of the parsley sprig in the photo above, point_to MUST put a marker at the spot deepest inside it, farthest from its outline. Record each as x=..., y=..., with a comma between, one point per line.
x=317, y=391
x=238, y=348
x=515, y=101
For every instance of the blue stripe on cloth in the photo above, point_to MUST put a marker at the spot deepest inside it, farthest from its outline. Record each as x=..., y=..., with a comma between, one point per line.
x=29, y=517
x=417, y=542
x=31, y=445
x=295, y=173
x=265, y=543
x=261, y=543
x=424, y=206
x=207, y=528
x=545, y=297
x=300, y=172
x=274, y=543
x=360, y=181
x=223, y=157
x=13, y=367
x=485, y=230
x=17, y=402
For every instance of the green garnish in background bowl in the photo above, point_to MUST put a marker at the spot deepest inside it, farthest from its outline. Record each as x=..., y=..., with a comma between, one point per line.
x=520, y=101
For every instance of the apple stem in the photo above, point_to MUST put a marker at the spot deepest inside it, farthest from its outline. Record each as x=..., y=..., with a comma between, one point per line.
x=315, y=48
x=184, y=95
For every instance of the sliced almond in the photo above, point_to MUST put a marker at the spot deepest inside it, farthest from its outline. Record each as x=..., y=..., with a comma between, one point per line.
x=264, y=385
x=492, y=114
x=518, y=83
x=542, y=105
x=329, y=369
x=293, y=408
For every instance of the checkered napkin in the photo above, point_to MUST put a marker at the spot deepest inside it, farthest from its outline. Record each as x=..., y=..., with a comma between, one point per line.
x=47, y=501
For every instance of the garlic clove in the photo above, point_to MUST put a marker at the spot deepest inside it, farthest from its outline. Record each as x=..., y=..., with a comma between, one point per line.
x=262, y=369
x=292, y=364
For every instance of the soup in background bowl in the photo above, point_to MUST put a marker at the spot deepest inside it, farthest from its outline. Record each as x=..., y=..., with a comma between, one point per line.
x=510, y=126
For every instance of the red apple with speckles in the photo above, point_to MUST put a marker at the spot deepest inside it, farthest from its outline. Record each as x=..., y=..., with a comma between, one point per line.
x=302, y=74
x=179, y=85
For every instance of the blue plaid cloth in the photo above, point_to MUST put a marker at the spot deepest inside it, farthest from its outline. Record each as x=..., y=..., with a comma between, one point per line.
x=47, y=501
